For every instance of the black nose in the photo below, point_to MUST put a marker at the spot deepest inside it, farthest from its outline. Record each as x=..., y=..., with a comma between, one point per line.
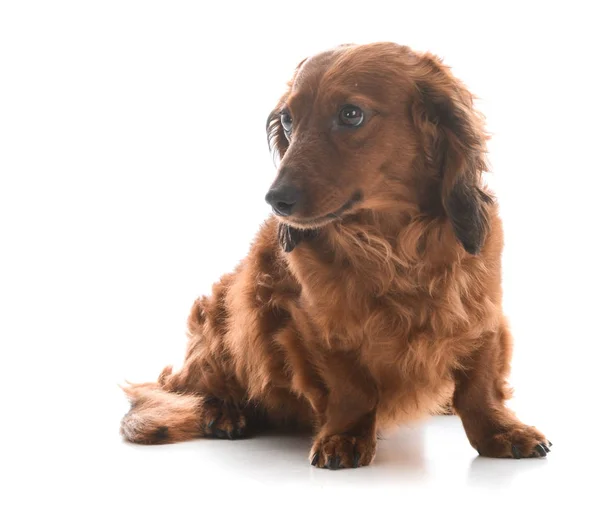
x=283, y=199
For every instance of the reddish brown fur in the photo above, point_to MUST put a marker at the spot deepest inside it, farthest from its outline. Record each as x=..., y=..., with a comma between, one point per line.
x=389, y=309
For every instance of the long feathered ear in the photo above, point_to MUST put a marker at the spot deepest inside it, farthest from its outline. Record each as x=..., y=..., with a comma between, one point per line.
x=290, y=237
x=278, y=142
x=455, y=144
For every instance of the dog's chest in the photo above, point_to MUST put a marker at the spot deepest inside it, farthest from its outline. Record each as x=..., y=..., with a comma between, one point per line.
x=349, y=308
x=372, y=303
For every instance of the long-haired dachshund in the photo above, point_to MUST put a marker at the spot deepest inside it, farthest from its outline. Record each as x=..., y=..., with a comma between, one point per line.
x=372, y=296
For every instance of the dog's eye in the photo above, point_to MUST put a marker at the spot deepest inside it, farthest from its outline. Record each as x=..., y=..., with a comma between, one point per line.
x=351, y=116
x=286, y=121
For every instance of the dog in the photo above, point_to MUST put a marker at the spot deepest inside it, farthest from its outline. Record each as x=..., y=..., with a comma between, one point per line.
x=372, y=296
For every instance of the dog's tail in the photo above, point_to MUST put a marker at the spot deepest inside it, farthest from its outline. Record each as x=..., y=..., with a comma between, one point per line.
x=160, y=417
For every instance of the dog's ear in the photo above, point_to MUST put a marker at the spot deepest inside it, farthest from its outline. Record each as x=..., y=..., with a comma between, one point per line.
x=278, y=141
x=455, y=144
x=290, y=237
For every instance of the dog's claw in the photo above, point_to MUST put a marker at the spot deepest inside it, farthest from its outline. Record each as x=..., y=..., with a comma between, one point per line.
x=315, y=459
x=540, y=449
x=516, y=452
x=549, y=443
x=334, y=462
x=546, y=448
x=219, y=433
x=356, y=460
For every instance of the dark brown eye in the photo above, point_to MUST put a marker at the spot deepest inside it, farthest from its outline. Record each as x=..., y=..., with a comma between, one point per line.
x=286, y=121
x=351, y=116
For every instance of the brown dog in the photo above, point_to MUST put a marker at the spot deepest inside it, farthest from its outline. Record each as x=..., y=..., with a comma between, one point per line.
x=374, y=297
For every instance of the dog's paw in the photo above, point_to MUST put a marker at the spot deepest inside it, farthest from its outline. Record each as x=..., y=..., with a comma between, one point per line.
x=342, y=451
x=222, y=420
x=517, y=442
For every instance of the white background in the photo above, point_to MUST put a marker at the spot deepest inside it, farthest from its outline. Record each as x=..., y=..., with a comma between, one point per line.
x=133, y=166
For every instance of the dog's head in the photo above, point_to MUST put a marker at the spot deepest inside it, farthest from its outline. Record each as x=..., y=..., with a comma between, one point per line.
x=373, y=127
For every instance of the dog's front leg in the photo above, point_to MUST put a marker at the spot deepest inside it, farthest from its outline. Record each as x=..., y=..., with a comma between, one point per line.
x=492, y=429
x=347, y=437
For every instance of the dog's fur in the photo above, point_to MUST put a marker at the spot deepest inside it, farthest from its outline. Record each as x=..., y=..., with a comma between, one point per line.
x=379, y=300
